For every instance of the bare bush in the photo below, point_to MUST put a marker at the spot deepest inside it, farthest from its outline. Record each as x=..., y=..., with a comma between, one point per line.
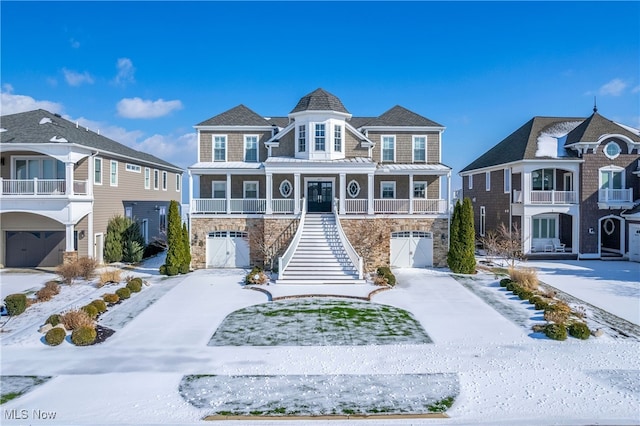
x=87, y=267
x=558, y=313
x=76, y=318
x=68, y=272
x=47, y=292
x=505, y=243
x=548, y=292
x=526, y=277
x=110, y=276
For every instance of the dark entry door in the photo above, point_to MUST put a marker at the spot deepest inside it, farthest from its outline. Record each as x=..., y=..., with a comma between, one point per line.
x=319, y=194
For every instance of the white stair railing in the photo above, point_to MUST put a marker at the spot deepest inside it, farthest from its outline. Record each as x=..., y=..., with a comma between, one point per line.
x=351, y=252
x=284, y=260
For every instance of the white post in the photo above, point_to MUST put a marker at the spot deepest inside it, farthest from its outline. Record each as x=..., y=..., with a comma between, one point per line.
x=411, y=193
x=68, y=176
x=525, y=232
x=343, y=178
x=296, y=193
x=90, y=237
x=228, y=193
x=69, y=228
x=269, y=209
x=191, y=206
x=370, y=184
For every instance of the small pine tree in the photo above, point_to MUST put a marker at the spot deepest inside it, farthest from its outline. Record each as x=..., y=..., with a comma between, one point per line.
x=175, y=252
x=467, y=239
x=132, y=243
x=453, y=256
x=113, y=240
x=186, y=246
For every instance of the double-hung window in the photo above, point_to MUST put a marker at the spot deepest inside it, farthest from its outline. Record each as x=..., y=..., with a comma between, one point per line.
x=388, y=148
x=178, y=181
x=114, y=173
x=251, y=148
x=164, y=181
x=419, y=149
x=163, y=218
x=219, y=189
x=97, y=171
x=320, y=137
x=156, y=179
x=487, y=181
x=388, y=189
x=507, y=181
x=419, y=190
x=337, y=138
x=147, y=178
x=302, y=138
x=250, y=189
x=219, y=148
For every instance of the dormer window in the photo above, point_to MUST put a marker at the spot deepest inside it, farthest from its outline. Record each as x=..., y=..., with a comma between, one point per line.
x=612, y=150
x=302, y=138
x=320, y=137
x=337, y=138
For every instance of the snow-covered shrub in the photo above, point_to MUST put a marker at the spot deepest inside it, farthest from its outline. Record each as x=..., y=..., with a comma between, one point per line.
x=100, y=305
x=256, y=276
x=84, y=336
x=75, y=319
x=556, y=331
x=135, y=285
x=15, y=303
x=53, y=320
x=558, y=312
x=579, y=330
x=110, y=298
x=123, y=293
x=55, y=336
x=91, y=310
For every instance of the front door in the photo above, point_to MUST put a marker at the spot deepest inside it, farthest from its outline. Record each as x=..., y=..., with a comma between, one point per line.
x=319, y=197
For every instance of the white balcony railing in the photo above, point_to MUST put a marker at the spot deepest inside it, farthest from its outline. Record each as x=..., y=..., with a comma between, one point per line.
x=554, y=197
x=429, y=206
x=248, y=205
x=387, y=205
x=285, y=205
x=615, y=195
x=42, y=187
x=284, y=260
x=356, y=205
x=209, y=205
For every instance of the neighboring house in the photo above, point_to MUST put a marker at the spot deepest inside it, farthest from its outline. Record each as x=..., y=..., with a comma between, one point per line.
x=61, y=183
x=257, y=177
x=570, y=184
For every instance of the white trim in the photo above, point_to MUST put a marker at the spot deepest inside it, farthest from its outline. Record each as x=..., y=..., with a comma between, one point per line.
x=382, y=184
x=147, y=178
x=470, y=182
x=156, y=179
x=612, y=143
x=487, y=181
x=404, y=128
x=96, y=159
x=382, y=138
x=357, y=185
x=233, y=128
x=483, y=221
x=111, y=174
x=244, y=188
x=281, y=190
x=413, y=190
x=507, y=181
x=315, y=136
x=335, y=126
x=165, y=180
x=413, y=148
x=319, y=179
x=213, y=148
x=178, y=182
x=213, y=189
x=244, y=148
x=133, y=168
x=297, y=138
x=612, y=169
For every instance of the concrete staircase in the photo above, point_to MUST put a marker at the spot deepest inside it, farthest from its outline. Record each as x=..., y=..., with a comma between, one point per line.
x=320, y=257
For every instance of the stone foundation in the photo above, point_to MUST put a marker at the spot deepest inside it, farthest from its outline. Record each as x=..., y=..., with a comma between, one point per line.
x=69, y=257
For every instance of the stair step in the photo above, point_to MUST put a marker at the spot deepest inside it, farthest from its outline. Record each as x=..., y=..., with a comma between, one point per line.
x=321, y=282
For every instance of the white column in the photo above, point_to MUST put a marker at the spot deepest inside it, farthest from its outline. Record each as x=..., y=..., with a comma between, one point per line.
x=343, y=190
x=269, y=209
x=448, y=210
x=68, y=177
x=91, y=238
x=526, y=233
x=91, y=176
x=526, y=187
x=228, y=193
x=370, y=185
x=411, y=193
x=69, y=228
x=296, y=193
x=575, y=232
x=191, y=206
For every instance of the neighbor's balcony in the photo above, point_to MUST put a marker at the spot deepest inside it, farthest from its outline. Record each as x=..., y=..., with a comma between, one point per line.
x=615, y=198
x=546, y=197
x=42, y=187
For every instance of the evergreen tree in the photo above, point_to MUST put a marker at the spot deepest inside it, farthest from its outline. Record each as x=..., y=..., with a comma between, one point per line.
x=186, y=246
x=113, y=240
x=132, y=243
x=175, y=252
x=453, y=256
x=467, y=238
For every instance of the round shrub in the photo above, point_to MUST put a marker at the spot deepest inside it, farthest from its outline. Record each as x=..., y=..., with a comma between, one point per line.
x=135, y=285
x=511, y=285
x=579, y=330
x=558, y=312
x=84, y=336
x=525, y=294
x=91, y=310
x=55, y=336
x=539, y=302
x=100, y=305
x=16, y=303
x=110, y=298
x=556, y=331
x=504, y=282
x=123, y=293
x=53, y=320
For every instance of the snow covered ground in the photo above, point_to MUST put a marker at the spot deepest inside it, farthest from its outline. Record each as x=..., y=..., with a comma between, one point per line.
x=504, y=375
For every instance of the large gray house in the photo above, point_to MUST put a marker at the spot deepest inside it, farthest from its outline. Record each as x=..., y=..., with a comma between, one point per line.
x=61, y=183
x=270, y=173
x=572, y=185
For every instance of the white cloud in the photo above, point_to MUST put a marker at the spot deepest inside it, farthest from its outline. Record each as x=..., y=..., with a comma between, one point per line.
x=636, y=89
x=180, y=150
x=11, y=103
x=141, y=108
x=74, y=78
x=614, y=88
x=125, y=72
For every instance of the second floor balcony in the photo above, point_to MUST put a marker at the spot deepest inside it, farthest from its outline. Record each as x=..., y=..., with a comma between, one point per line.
x=546, y=197
x=615, y=198
x=42, y=188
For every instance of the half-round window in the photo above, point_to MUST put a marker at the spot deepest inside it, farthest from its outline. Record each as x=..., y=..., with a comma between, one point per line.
x=612, y=150
x=286, y=188
x=353, y=189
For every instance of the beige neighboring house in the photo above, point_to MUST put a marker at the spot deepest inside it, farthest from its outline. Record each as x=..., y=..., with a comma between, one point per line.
x=258, y=179
x=61, y=183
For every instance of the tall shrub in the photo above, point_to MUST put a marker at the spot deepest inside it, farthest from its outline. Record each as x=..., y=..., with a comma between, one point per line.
x=113, y=240
x=132, y=243
x=461, y=257
x=175, y=252
x=186, y=247
x=453, y=256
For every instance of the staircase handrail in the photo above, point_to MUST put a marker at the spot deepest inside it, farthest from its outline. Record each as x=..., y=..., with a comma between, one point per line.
x=283, y=261
x=351, y=252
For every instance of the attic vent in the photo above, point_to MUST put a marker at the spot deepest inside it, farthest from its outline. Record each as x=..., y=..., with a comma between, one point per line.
x=45, y=120
x=58, y=139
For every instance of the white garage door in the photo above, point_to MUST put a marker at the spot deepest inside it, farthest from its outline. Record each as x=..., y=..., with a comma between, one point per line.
x=634, y=242
x=411, y=249
x=227, y=249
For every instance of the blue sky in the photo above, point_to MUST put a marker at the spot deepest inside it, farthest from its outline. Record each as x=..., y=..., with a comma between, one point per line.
x=144, y=73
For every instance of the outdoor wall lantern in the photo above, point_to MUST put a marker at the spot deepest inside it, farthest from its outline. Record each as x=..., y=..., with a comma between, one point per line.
x=81, y=235
x=591, y=231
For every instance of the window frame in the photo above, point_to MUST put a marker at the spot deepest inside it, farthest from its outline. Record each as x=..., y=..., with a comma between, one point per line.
x=392, y=139
x=618, y=150
x=337, y=138
x=162, y=219
x=384, y=183
x=507, y=181
x=320, y=139
x=302, y=138
x=244, y=155
x=147, y=178
x=546, y=220
x=221, y=183
x=244, y=189
x=133, y=168
x=113, y=173
x=414, y=138
x=424, y=185
x=487, y=181
x=611, y=172
x=357, y=185
x=165, y=180
x=483, y=221
x=97, y=172
x=284, y=193
x=178, y=182
x=552, y=183
x=156, y=179
x=224, y=140
x=470, y=182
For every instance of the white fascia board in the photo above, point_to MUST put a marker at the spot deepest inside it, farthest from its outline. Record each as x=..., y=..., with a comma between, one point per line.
x=323, y=113
x=491, y=168
x=234, y=128
x=272, y=140
x=318, y=168
x=367, y=143
x=406, y=128
x=549, y=161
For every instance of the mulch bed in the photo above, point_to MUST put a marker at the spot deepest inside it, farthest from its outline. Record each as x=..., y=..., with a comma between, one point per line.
x=103, y=334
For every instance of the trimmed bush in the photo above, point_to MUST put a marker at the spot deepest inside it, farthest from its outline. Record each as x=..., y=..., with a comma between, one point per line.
x=579, y=330
x=84, y=336
x=100, y=305
x=123, y=293
x=256, y=276
x=558, y=312
x=110, y=298
x=75, y=319
x=15, y=303
x=385, y=271
x=511, y=285
x=55, y=336
x=504, y=282
x=91, y=310
x=524, y=294
x=556, y=331
x=53, y=320
x=135, y=285
x=539, y=302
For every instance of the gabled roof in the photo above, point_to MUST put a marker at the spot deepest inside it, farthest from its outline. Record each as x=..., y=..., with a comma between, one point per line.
x=594, y=127
x=237, y=116
x=319, y=100
x=523, y=143
x=400, y=116
x=40, y=126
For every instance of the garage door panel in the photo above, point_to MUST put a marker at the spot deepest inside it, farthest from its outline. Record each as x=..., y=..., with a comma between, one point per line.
x=28, y=249
x=634, y=242
x=227, y=249
x=411, y=249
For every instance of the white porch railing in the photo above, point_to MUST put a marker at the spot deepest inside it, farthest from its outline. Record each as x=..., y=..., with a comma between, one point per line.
x=248, y=205
x=285, y=205
x=356, y=205
x=386, y=205
x=284, y=260
x=554, y=197
x=356, y=260
x=209, y=205
x=42, y=187
x=429, y=206
x=615, y=195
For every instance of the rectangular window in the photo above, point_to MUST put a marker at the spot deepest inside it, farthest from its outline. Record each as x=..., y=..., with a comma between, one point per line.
x=507, y=181
x=542, y=180
x=164, y=181
x=219, y=148
x=163, y=218
x=319, y=137
x=388, y=148
x=156, y=179
x=610, y=179
x=251, y=148
x=219, y=189
x=133, y=168
x=147, y=178
x=419, y=149
x=419, y=190
x=178, y=181
x=250, y=189
x=302, y=138
x=128, y=212
x=97, y=171
x=337, y=138
x=487, y=181
x=114, y=173
x=470, y=181
x=388, y=189
x=544, y=228
x=482, y=220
